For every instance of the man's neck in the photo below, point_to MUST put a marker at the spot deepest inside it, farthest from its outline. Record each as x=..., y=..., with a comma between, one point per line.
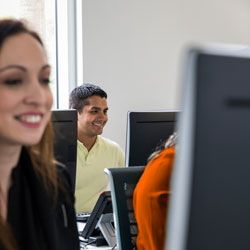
x=87, y=141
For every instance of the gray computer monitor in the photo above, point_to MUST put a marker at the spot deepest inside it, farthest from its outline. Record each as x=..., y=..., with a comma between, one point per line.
x=210, y=202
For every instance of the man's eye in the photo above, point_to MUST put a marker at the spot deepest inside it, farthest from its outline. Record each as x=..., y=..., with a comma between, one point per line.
x=13, y=81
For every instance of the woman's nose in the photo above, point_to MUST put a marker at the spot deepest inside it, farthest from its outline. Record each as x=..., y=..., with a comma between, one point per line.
x=35, y=93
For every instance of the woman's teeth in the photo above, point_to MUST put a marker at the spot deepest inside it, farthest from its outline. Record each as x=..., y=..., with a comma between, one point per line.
x=30, y=118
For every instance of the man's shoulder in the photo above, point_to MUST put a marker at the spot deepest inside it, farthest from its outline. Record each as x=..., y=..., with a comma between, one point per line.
x=108, y=142
x=112, y=149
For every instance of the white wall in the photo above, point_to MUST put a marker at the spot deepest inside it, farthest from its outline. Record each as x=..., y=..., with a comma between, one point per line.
x=132, y=48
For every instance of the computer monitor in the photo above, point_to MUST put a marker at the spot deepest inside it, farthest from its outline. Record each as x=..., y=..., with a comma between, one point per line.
x=102, y=207
x=65, y=143
x=145, y=131
x=210, y=202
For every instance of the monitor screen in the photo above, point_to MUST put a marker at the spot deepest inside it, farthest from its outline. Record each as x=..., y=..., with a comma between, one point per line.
x=65, y=144
x=145, y=131
x=210, y=205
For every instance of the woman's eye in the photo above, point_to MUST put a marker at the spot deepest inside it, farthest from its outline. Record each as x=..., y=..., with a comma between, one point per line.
x=45, y=81
x=13, y=81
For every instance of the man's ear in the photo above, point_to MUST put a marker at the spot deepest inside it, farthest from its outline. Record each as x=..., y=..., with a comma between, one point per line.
x=78, y=114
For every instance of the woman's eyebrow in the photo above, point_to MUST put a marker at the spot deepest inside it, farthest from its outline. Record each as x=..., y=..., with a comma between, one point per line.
x=46, y=66
x=16, y=66
x=13, y=66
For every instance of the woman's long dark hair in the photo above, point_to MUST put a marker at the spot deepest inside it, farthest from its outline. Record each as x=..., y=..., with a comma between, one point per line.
x=42, y=154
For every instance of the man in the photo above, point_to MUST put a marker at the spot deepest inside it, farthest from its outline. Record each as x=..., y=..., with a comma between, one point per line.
x=94, y=152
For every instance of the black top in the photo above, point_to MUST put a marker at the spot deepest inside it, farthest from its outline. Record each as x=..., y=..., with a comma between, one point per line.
x=37, y=222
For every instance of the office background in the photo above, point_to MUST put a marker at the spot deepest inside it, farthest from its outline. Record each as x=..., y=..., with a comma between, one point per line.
x=133, y=48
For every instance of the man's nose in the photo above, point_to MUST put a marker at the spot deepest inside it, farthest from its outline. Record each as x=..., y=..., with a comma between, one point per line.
x=103, y=115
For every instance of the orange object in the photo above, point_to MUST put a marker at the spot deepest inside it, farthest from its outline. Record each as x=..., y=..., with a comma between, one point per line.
x=151, y=197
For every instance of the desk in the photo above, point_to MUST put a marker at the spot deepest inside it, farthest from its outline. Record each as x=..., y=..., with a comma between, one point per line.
x=83, y=246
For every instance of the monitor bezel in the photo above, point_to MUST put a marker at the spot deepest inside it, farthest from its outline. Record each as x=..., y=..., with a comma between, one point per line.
x=179, y=208
x=145, y=115
x=67, y=115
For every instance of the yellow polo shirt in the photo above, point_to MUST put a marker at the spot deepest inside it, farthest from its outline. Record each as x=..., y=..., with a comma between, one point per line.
x=90, y=177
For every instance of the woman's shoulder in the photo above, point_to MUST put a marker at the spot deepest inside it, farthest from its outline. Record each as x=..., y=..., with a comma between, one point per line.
x=65, y=184
x=169, y=151
x=63, y=174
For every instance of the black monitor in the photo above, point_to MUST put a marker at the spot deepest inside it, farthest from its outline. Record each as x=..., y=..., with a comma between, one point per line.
x=65, y=144
x=145, y=131
x=210, y=204
x=103, y=206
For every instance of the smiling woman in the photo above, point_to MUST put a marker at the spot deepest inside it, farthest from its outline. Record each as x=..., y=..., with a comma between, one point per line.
x=25, y=97
x=35, y=194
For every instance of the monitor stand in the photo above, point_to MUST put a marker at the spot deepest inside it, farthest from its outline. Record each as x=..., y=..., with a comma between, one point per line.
x=106, y=226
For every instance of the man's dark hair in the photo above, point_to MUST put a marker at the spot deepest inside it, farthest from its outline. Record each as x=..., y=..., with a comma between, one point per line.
x=79, y=96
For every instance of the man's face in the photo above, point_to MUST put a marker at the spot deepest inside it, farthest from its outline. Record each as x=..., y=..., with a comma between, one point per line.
x=93, y=117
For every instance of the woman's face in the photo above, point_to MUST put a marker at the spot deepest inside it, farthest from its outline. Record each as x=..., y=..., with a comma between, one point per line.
x=25, y=96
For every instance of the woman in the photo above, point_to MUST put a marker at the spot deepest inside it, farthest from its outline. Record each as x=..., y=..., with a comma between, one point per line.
x=151, y=196
x=36, y=203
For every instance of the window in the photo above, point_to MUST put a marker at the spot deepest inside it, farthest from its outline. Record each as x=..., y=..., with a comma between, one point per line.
x=56, y=22
x=69, y=47
x=41, y=17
